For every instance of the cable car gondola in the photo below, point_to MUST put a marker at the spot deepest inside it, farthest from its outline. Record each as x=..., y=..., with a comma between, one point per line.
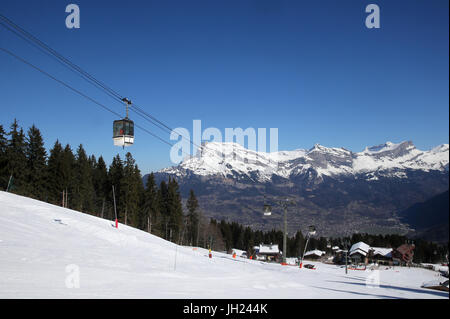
x=123, y=130
x=312, y=230
x=267, y=208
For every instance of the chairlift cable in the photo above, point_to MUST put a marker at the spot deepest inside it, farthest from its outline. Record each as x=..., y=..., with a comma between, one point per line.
x=49, y=51
x=78, y=92
x=88, y=77
x=89, y=98
x=75, y=68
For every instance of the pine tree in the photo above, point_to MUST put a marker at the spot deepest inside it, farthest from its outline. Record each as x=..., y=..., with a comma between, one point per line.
x=36, y=164
x=4, y=178
x=68, y=166
x=248, y=241
x=55, y=182
x=101, y=185
x=175, y=210
x=115, y=177
x=132, y=190
x=150, y=202
x=163, y=209
x=16, y=159
x=83, y=196
x=192, y=218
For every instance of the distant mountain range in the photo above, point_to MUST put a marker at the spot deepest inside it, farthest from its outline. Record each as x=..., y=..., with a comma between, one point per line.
x=336, y=189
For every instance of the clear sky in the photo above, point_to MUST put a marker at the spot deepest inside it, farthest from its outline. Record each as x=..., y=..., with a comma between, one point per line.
x=309, y=68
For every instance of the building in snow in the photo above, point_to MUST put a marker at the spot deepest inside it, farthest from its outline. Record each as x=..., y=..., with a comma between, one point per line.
x=359, y=253
x=268, y=252
x=335, y=250
x=403, y=254
x=314, y=254
x=379, y=255
x=339, y=257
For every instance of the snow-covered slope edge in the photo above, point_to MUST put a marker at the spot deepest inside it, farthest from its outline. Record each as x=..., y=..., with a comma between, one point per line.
x=42, y=248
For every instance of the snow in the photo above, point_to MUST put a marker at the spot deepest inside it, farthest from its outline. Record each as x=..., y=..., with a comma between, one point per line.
x=388, y=146
x=268, y=249
x=436, y=283
x=45, y=249
x=238, y=252
x=315, y=252
x=389, y=159
x=381, y=251
x=437, y=267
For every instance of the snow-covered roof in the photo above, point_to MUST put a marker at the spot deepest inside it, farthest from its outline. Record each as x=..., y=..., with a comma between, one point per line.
x=335, y=248
x=386, y=252
x=268, y=249
x=359, y=247
x=315, y=252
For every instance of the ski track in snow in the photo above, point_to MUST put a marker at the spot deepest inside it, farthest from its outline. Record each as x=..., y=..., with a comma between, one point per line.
x=38, y=241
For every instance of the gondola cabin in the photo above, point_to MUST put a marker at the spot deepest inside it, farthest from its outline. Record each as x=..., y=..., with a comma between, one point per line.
x=267, y=210
x=123, y=132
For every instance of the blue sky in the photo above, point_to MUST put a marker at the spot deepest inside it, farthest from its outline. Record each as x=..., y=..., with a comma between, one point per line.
x=310, y=68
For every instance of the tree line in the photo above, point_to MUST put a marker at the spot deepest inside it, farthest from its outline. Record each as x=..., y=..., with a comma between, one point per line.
x=73, y=179
x=84, y=183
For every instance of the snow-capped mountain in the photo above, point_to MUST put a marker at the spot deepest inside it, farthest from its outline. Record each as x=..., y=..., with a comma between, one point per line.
x=231, y=159
x=337, y=190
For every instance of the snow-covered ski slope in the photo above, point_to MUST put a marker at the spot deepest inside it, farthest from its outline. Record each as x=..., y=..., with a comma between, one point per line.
x=50, y=252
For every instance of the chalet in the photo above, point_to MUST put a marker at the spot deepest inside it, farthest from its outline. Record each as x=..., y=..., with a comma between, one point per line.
x=268, y=252
x=335, y=250
x=359, y=253
x=382, y=256
x=403, y=254
x=339, y=257
x=314, y=254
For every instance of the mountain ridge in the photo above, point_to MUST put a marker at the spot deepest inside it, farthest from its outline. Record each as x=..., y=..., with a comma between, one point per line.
x=222, y=158
x=338, y=190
